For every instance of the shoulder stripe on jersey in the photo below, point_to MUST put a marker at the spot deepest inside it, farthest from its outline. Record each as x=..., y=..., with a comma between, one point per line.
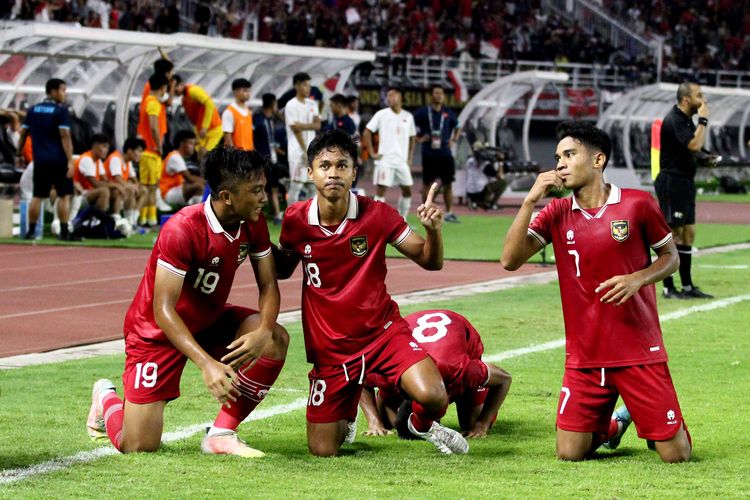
x=537, y=236
x=663, y=241
x=261, y=255
x=402, y=237
x=169, y=267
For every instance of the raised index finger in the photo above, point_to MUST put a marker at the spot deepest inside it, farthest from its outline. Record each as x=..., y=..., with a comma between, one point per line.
x=431, y=194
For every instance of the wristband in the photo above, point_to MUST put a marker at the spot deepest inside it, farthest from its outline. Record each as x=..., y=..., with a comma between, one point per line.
x=703, y=121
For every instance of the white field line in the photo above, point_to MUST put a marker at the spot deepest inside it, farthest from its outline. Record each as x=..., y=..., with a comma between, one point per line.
x=65, y=284
x=710, y=266
x=13, y=475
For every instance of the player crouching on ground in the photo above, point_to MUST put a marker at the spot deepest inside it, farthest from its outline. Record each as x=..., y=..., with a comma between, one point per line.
x=477, y=388
x=351, y=325
x=180, y=311
x=613, y=341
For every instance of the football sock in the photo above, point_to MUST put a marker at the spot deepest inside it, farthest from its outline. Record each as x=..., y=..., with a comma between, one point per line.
x=113, y=415
x=669, y=283
x=63, y=229
x=144, y=214
x=403, y=206
x=32, y=228
x=379, y=198
x=614, y=428
x=253, y=384
x=152, y=212
x=422, y=418
x=686, y=260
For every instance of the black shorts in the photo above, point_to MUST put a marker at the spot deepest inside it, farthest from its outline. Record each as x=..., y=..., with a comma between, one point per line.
x=676, y=198
x=438, y=167
x=47, y=175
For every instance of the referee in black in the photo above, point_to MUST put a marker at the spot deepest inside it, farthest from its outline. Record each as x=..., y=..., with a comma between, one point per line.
x=681, y=140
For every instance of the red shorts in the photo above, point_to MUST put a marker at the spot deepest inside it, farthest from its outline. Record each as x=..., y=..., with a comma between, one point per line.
x=153, y=367
x=589, y=395
x=335, y=389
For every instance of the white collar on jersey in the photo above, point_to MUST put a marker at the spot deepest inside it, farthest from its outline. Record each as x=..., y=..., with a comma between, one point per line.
x=614, y=197
x=215, y=225
x=351, y=213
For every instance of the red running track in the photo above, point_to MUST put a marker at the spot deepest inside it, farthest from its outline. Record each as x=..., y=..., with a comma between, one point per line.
x=54, y=297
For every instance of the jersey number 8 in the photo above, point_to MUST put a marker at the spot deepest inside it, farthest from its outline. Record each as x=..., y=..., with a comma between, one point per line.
x=424, y=324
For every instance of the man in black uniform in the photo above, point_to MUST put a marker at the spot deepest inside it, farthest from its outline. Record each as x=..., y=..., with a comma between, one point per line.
x=681, y=140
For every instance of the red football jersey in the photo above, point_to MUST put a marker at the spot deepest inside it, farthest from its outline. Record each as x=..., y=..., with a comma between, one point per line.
x=592, y=246
x=194, y=245
x=455, y=347
x=345, y=304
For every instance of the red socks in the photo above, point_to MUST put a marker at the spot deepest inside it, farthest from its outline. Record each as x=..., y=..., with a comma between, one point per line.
x=422, y=418
x=113, y=414
x=253, y=384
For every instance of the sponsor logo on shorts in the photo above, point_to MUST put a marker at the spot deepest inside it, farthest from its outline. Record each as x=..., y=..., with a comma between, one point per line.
x=620, y=230
x=671, y=417
x=415, y=346
x=243, y=253
x=678, y=215
x=358, y=245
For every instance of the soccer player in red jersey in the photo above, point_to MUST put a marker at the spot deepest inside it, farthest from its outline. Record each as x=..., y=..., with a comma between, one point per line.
x=351, y=325
x=180, y=311
x=601, y=237
x=478, y=388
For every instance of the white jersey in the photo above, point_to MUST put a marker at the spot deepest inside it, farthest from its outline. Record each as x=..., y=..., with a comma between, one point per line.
x=304, y=113
x=116, y=167
x=227, y=117
x=176, y=164
x=88, y=168
x=395, y=131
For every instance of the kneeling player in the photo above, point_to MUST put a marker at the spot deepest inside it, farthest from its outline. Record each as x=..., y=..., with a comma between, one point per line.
x=180, y=311
x=477, y=388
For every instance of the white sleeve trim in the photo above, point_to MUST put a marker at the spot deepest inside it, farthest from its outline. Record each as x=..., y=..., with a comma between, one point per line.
x=662, y=242
x=169, y=267
x=538, y=236
x=401, y=237
x=489, y=373
x=261, y=255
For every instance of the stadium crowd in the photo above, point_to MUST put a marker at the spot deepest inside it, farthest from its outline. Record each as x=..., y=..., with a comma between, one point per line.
x=706, y=35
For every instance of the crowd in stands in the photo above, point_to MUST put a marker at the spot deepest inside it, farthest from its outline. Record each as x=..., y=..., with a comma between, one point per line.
x=699, y=35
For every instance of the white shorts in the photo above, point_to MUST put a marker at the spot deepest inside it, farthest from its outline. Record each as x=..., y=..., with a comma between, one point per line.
x=298, y=169
x=392, y=174
x=176, y=197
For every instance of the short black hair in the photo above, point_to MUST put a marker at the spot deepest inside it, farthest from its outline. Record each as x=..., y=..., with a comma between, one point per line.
x=177, y=79
x=339, y=99
x=100, y=139
x=436, y=86
x=351, y=98
x=163, y=66
x=53, y=84
x=225, y=167
x=330, y=140
x=157, y=81
x=395, y=88
x=268, y=100
x=182, y=135
x=300, y=77
x=590, y=136
x=241, y=83
x=133, y=143
x=684, y=89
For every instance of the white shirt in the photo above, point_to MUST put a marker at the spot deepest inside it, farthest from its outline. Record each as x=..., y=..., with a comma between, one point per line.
x=395, y=131
x=176, y=164
x=302, y=113
x=227, y=117
x=115, y=168
x=88, y=168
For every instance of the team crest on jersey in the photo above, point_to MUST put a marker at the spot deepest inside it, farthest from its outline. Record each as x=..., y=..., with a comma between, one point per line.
x=358, y=245
x=243, y=253
x=620, y=230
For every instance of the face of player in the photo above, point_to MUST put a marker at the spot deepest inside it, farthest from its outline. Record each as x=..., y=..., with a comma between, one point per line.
x=438, y=96
x=242, y=95
x=134, y=155
x=353, y=106
x=576, y=163
x=59, y=95
x=187, y=147
x=333, y=173
x=179, y=88
x=303, y=89
x=336, y=109
x=100, y=150
x=393, y=99
x=248, y=198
